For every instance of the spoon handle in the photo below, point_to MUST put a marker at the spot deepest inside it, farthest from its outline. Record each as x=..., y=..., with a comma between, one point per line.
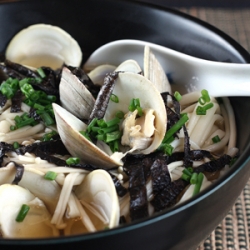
x=186, y=73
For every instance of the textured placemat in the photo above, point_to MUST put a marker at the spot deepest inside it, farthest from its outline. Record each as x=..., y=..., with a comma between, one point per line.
x=233, y=232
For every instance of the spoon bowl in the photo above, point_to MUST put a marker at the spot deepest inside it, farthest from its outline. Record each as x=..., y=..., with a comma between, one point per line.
x=186, y=73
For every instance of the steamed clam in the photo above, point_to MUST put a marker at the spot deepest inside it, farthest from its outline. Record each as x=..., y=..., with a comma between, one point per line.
x=44, y=45
x=97, y=193
x=142, y=135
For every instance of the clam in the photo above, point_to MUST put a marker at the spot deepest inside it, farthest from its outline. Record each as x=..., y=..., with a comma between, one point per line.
x=44, y=45
x=127, y=86
x=97, y=194
x=34, y=181
x=154, y=71
x=82, y=102
x=36, y=223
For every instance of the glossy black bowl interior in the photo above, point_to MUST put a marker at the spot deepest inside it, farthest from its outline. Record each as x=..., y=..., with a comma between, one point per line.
x=96, y=22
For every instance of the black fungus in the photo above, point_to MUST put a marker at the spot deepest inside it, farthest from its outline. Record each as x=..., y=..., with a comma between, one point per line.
x=5, y=148
x=22, y=70
x=50, y=147
x=169, y=196
x=3, y=100
x=187, y=152
x=120, y=189
x=103, y=97
x=19, y=173
x=214, y=165
x=9, y=72
x=33, y=114
x=16, y=102
x=160, y=176
x=165, y=192
x=138, y=194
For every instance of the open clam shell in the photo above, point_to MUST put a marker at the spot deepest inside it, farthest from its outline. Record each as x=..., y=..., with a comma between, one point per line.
x=44, y=45
x=98, y=194
x=127, y=86
x=82, y=102
x=37, y=221
x=154, y=71
x=69, y=127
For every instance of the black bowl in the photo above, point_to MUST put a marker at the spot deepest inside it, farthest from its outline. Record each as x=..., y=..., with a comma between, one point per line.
x=96, y=22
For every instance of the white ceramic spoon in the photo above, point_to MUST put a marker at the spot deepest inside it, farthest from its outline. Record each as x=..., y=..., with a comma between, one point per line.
x=186, y=73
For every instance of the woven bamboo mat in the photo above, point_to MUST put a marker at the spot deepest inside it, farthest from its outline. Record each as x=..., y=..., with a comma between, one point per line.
x=233, y=233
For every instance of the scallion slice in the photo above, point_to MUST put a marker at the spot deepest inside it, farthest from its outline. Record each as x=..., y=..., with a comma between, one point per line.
x=216, y=139
x=50, y=176
x=72, y=160
x=114, y=98
x=41, y=72
x=16, y=145
x=177, y=96
x=198, y=184
x=22, y=213
x=175, y=127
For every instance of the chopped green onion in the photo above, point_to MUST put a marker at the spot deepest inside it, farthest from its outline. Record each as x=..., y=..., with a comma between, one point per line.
x=167, y=149
x=175, y=127
x=185, y=177
x=12, y=128
x=86, y=135
x=119, y=114
x=38, y=106
x=48, y=136
x=135, y=104
x=198, y=184
x=47, y=119
x=194, y=178
x=187, y=171
x=22, y=213
x=233, y=160
x=72, y=160
x=177, y=96
x=114, y=98
x=108, y=129
x=113, y=136
x=114, y=145
x=41, y=72
x=16, y=145
x=202, y=110
x=113, y=122
x=139, y=110
x=91, y=124
x=205, y=98
x=216, y=139
x=101, y=123
x=50, y=176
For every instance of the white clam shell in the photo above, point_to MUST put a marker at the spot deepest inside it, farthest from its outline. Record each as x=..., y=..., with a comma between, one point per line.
x=82, y=102
x=127, y=86
x=98, y=194
x=154, y=71
x=33, y=180
x=44, y=45
x=36, y=224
